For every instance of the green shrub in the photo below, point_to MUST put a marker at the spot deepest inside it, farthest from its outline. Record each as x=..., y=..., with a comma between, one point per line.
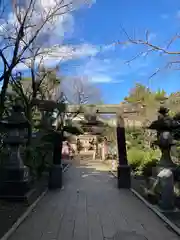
x=150, y=160
x=142, y=161
x=38, y=158
x=135, y=136
x=135, y=158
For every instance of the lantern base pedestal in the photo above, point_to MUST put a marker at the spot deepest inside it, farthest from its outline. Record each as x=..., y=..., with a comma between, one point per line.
x=55, y=177
x=156, y=170
x=124, y=176
x=14, y=183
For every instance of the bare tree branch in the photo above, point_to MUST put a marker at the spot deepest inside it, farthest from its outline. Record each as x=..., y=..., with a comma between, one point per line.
x=79, y=90
x=149, y=44
x=23, y=34
x=149, y=47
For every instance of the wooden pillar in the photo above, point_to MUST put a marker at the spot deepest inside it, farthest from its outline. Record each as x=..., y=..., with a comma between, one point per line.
x=123, y=169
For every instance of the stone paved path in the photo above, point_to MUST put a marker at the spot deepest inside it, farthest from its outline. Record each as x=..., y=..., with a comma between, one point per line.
x=90, y=207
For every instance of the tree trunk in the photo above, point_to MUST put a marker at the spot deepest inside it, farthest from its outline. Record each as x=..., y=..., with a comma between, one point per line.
x=3, y=93
x=29, y=117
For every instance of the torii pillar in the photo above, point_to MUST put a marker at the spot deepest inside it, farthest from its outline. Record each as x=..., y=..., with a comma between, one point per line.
x=123, y=169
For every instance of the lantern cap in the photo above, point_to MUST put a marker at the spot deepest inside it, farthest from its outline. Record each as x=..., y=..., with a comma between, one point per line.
x=16, y=119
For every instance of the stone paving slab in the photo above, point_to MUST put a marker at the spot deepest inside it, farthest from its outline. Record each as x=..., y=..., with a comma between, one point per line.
x=90, y=207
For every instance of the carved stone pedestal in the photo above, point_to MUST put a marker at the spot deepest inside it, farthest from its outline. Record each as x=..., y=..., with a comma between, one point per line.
x=164, y=181
x=166, y=186
x=14, y=183
x=14, y=176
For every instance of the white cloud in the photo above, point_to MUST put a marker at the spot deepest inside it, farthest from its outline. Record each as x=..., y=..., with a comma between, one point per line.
x=62, y=53
x=48, y=4
x=68, y=52
x=109, y=47
x=111, y=70
x=65, y=24
x=104, y=79
x=101, y=79
x=101, y=70
x=54, y=31
x=97, y=70
x=56, y=26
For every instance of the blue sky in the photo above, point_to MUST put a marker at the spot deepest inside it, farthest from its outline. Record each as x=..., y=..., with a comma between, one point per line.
x=101, y=25
x=85, y=41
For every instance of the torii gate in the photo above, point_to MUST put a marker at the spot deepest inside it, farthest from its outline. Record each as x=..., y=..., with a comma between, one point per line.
x=123, y=169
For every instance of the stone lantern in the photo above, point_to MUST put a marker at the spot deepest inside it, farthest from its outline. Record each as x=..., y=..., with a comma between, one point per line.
x=14, y=175
x=164, y=183
x=92, y=124
x=165, y=127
